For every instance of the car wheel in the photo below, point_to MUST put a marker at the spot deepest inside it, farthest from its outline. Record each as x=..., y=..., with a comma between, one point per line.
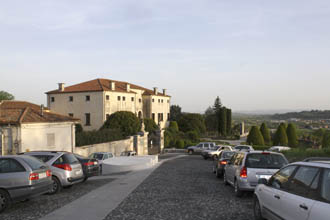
x=85, y=179
x=238, y=192
x=5, y=200
x=56, y=188
x=257, y=210
x=225, y=179
x=190, y=152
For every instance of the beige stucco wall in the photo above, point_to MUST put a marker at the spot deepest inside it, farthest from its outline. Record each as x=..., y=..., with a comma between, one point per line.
x=34, y=136
x=159, y=107
x=79, y=107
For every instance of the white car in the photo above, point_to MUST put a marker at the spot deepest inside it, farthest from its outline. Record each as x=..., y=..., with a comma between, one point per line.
x=200, y=147
x=297, y=191
x=213, y=153
x=243, y=148
x=279, y=148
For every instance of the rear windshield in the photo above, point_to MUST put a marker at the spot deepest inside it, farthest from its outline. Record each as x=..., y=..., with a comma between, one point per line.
x=34, y=163
x=266, y=161
x=227, y=155
x=70, y=158
x=44, y=158
x=242, y=148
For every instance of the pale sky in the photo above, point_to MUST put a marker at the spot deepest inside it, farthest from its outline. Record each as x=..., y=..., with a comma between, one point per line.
x=254, y=54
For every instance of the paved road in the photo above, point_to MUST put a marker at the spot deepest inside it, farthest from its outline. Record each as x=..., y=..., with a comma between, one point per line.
x=184, y=188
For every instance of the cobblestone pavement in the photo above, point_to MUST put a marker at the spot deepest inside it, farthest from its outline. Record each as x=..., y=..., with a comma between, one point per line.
x=184, y=188
x=42, y=205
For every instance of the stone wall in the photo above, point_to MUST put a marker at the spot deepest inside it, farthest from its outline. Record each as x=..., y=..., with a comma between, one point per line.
x=138, y=143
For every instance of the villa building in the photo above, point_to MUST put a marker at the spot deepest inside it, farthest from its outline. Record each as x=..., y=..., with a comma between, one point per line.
x=93, y=101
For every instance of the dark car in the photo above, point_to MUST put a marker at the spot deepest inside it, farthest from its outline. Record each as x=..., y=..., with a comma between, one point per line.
x=91, y=166
x=219, y=165
x=22, y=177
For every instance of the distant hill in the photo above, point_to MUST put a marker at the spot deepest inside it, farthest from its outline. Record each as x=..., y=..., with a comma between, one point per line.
x=306, y=115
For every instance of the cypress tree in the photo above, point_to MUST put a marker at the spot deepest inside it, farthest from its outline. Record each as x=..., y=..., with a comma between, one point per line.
x=255, y=137
x=222, y=121
x=280, y=137
x=265, y=133
x=292, y=135
x=228, y=121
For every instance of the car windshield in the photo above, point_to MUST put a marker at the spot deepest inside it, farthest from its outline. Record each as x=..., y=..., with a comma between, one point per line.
x=34, y=163
x=97, y=156
x=227, y=155
x=326, y=185
x=43, y=158
x=70, y=159
x=265, y=161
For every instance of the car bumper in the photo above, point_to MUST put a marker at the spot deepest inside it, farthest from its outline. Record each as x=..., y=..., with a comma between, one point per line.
x=93, y=172
x=244, y=185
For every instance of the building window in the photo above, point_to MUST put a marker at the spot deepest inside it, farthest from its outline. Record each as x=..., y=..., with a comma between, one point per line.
x=153, y=116
x=153, y=100
x=159, y=117
x=162, y=117
x=71, y=115
x=168, y=101
x=158, y=100
x=140, y=100
x=88, y=119
x=132, y=99
x=162, y=101
x=124, y=98
x=70, y=98
x=52, y=99
x=107, y=97
x=51, y=140
x=140, y=115
x=88, y=98
x=118, y=98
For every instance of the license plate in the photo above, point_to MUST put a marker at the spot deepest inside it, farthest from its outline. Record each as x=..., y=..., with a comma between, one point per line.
x=42, y=175
x=264, y=176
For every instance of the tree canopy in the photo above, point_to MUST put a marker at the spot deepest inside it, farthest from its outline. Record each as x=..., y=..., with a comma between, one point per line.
x=150, y=125
x=255, y=137
x=265, y=133
x=292, y=135
x=192, y=122
x=281, y=137
x=6, y=96
x=175, y=112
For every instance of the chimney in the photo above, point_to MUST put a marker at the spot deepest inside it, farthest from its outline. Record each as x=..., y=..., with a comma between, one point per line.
x=42, y=110
x=128, y=87
x=156, y=90
x=164, y=91
x=112, y=85
x=61, y=87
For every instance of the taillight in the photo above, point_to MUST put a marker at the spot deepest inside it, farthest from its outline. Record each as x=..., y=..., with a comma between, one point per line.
x=34, y=176
x=223, y=162
x=89, y=163
x=49, y=173
x=243, y=173
x=63, y=166
x=265, y=153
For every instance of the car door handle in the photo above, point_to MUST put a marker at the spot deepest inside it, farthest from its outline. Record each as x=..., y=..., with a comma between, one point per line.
x=277, y=197
x=303, y=206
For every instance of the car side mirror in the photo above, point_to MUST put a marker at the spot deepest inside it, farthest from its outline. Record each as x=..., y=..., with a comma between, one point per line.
x=263, y=181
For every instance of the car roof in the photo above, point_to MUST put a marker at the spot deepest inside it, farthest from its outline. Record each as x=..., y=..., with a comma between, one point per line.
x=44, y=152
x=322, y=164
x=15, y=156
x=259, y=152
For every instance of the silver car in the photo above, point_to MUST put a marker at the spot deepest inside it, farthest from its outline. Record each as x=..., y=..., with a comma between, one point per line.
x=101, y=156
x=298, y=191
x=22, y=177
x=243, y=148
x=66, y=168
x=245, y=168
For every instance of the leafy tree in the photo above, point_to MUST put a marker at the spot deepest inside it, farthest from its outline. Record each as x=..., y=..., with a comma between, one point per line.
x=150, y=125
x=292, y=135
x=228, y=121
x=79, y=128
x=6, y=96
x=124, y=121
x=317, y=135
x=173, y=126
x=175, y=113
x=223, y=121
x=281, y=137
x=192, y=136
x=217, y=104
x=265, y=133
x=326, y=140
x=255, y=137
x=211, y=120
x=192, y=122
x=180, y=144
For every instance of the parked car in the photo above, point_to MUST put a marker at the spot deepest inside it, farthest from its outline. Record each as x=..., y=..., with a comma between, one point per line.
x=243, y=148
x=214, y=153
x=101, y=156
x=22, y=177
x=299, y=190
x=245, y=168
x=66, y=168
x=279, y=148
x=200, y=147
x=220, y=163
x=91, y=166
x=128, y=153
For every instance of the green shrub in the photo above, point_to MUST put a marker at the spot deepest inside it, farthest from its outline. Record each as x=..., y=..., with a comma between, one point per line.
x=180, y=144
x=173, y=126
x=126, y=122
x=150, y=125
x=96, y=137
x=260, y=147
x=292, y=135
x=298, y=154
x=255, y=137
x=193, y=136
x=79, y=128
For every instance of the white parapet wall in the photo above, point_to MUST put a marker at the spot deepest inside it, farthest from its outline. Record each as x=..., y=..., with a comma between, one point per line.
x=124, y=164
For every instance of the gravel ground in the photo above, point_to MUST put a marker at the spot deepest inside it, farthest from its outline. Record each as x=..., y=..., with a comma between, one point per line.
x=42, y=205
x=184, y=188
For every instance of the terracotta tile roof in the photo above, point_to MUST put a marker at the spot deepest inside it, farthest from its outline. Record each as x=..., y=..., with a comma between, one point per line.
x=20, y=112
x=97, y=85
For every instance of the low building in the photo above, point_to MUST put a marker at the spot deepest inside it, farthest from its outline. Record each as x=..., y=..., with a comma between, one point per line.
x=28, y=127
x=94, y=101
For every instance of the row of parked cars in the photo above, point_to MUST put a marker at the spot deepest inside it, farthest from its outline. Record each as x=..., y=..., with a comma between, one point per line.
x=282, y=190
x=31, y=174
